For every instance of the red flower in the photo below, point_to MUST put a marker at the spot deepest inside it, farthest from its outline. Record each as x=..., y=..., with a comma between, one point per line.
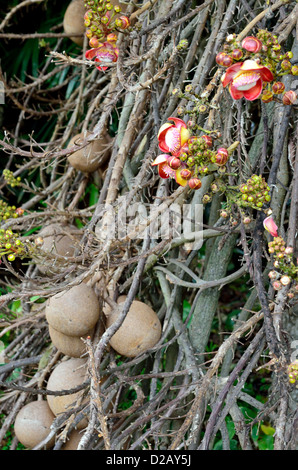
x=105, y=54
x=171, y=137
x=245, y=79
x=251, y=44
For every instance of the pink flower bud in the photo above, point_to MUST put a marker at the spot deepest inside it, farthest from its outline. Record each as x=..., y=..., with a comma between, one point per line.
x=174, y=163
x=270, y=226
x=289, y=97
x=208, y=140
x=222, y=156
x=251, y=44
x=194, y=183
x=185, y=174
x=289, y=250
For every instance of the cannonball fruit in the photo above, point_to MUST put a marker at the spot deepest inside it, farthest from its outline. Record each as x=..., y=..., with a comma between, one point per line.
x=73, y=312
x=32, y=424
x=72, y=346
x=67, y=375
x=91, y=157
x=73, y=441
x=73, y=21
x=140, y=331
x=58, y=239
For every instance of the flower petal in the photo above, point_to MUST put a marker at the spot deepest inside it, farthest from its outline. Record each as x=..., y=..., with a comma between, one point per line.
x=254, y=93
x=270, y=226
x=179, y=123
x=251, y=65
x=164, y=127
x=230, y=72
x=235, y=94
x=266, y=74
x=179, y=180
x=160, y=159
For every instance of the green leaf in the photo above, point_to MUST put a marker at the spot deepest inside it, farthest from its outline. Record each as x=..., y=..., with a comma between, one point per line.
x=266, y=443
x=268, y=430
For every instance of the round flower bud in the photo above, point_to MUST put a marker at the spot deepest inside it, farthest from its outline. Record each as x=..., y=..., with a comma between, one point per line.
x=207, y=139
x=277, y=285
x=294, y=70
x=286, y=65
x=289, y=250
x=237, y=54
x=278, y=88
x=289, y=55
x=247, y=220
x=194, y=183
x=221, y=156
x=94, y=42
x=219, y=58
x=273, y=275
x=122, y=22
x=289, y=97
x=224, y=214
x=112, y=37
x=267, y=96
x=251, y=44
x=185, y=174
x=11, y=257
x=174, y=163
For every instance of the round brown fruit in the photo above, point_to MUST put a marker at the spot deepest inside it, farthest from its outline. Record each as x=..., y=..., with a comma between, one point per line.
x=73, y=22
x=91, y=157
x=32, y=424
x=140, y=331
x=58, y=239
x=72, y=346
x=67, y=375
x=73, y=441
x=73, y=312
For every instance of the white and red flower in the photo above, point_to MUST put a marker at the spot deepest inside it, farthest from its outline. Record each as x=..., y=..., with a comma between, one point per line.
x=106, y=53
x=245, y=79
x=171, y=137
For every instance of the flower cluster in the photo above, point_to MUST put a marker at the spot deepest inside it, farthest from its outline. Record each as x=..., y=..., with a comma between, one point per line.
x=254, y=67
x=10, y=178
x=254, y=193
x=11, y=245
x=9, y=212
x=102, y=19
x=293, y=372
x=286, y=272
x=186, y=156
